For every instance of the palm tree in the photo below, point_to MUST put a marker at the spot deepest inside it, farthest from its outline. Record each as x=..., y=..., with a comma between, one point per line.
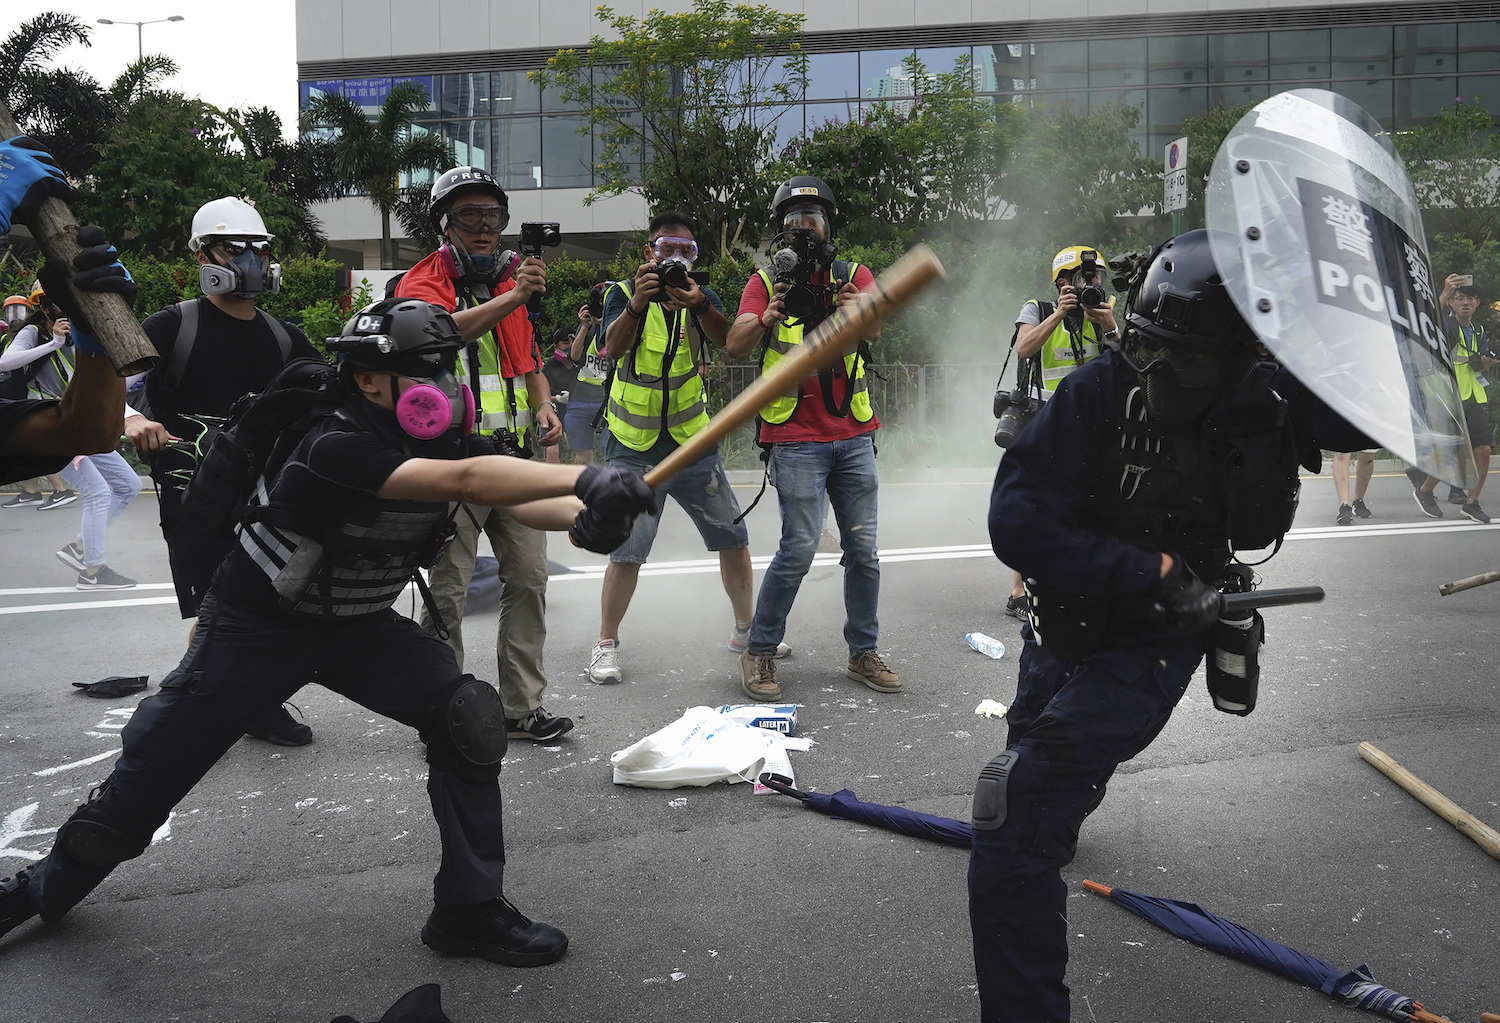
x=371, y=155
x=61, y=108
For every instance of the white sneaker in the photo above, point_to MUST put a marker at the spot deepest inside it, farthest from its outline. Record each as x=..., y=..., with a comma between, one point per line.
x=739, y=641
x=604, y=663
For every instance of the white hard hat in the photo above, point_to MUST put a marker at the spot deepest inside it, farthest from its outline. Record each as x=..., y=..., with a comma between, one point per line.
x=228, y=217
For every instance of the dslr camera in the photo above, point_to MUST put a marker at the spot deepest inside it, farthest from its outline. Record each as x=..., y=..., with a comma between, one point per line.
x=505, y=443
x=796, y=266
x=1014, y=409
x=673, y=273
x=539, y=234
x=1088, y=281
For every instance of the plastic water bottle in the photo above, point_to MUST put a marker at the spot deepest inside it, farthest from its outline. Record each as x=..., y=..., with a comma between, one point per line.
x=987, y=645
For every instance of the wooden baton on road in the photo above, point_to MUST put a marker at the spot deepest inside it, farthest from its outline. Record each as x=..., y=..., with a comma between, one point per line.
x=818, y=350
x=114, y=322
x=1468, y=583
x=1486, y=837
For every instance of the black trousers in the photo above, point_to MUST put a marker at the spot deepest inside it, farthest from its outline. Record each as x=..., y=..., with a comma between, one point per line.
x=240, y=666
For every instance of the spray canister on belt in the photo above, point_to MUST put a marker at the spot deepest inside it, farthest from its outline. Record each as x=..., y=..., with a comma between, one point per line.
x=1233, y=666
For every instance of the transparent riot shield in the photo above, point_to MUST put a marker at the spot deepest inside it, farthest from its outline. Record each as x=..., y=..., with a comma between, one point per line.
x=1316, y=232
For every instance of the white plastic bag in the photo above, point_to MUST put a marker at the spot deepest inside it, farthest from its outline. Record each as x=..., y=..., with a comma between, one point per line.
x=700, y=748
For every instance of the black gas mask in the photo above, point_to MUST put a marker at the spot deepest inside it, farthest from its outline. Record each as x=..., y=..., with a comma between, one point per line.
x=241, y=267
x=800, y=254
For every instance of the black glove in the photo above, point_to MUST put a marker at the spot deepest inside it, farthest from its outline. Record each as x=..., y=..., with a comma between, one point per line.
x=614, y=493
x=97, y=269
x=1184, y=604
x=599, y=533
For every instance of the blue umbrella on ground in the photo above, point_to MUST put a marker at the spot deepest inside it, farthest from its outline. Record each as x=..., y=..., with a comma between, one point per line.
x=844, y=803
x=1191, y=922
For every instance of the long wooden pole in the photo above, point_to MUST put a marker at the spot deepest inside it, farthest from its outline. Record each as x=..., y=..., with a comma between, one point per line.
x=1486, y=837
x=829, y=341
x=1468, y=583
x=55, y=231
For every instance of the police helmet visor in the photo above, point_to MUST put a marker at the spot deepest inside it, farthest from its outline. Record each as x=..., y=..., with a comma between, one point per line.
x=475, y=217
x=806, y=216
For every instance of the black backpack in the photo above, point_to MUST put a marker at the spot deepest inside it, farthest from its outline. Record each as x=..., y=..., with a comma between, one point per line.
x=260, y=435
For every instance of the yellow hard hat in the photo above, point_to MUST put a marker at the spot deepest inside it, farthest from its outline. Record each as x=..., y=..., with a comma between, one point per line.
x=1071, y=258
x=37, y=292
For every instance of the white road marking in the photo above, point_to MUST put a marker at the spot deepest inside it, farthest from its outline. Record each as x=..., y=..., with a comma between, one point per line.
x=46, y=771
x=16, y=825
x=705, y=566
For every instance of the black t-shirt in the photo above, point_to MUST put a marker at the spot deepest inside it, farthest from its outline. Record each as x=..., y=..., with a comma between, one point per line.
x=231, y=358
x=331, y=471
x=23, y=467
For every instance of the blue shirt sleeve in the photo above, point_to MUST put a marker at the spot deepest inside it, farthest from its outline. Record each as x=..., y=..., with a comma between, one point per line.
x=614, y=304
x=1044, y=484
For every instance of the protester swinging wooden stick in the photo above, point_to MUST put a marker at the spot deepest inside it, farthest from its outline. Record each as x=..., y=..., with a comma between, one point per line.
x=55, y=231
x=819, y=348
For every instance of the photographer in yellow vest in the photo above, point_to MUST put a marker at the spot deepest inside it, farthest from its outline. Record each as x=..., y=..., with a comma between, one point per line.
x=655, y=327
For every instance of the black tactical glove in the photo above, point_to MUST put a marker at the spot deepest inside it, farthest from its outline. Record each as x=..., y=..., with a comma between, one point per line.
x=595, y=532
x=1184, y=604
x=614, y=493
x=96, y=268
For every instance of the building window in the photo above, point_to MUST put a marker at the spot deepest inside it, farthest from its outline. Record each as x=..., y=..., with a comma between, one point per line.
x=1426, y=49
x=1117, y=63
x=1419, y=99
x=1374, y=96
x=1299, y=55
x=1479, y=46
x=513, y=92
x=1168, y=108
x=882, y=75
x=1362, y=52
x=1235, y=95
x=1178, y=60
x=517, y=162
x=1240, y=57
x=1004, y=67
x=567, y=152
x=1063, y=65
x=833, y=76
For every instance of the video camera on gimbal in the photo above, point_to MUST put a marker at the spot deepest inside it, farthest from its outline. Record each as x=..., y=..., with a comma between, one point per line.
x=537, y=235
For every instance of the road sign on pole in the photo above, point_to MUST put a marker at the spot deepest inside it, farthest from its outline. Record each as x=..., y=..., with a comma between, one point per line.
x=1175, y=181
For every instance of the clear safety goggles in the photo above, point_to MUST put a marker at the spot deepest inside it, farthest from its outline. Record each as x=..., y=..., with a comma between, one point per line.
x=673, y=247
x=807, y=217
x=477, y=218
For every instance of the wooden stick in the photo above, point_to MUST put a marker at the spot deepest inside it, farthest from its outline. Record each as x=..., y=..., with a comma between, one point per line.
x=1468, y=583
x=819, y=348
x=114, y=322
x=1481, y=833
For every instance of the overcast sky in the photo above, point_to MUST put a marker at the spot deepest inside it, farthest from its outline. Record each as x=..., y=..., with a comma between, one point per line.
x=230, y=54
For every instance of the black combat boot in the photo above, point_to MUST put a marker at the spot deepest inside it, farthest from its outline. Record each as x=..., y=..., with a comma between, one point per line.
x=493, y=930
x=16, y=905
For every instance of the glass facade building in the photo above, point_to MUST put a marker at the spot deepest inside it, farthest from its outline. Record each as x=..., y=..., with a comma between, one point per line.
x=497, y=118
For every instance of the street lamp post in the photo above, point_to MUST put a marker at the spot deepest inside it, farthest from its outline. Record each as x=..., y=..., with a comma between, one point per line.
x=140, y=42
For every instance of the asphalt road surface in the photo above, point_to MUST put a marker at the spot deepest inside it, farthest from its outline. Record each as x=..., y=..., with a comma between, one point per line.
x=292, y=883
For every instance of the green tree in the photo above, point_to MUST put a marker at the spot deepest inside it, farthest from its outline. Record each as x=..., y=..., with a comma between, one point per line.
x=1205, y=134
x=686, y=106
x=1073, y=176
x=1454, y=165
x=59, y=107
x=371, y=154
x=299, y=171
x=912, y=164
x=165, y=156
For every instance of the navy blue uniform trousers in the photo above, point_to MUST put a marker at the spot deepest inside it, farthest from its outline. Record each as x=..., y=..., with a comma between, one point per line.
x=1072, y=725
x=238, y=668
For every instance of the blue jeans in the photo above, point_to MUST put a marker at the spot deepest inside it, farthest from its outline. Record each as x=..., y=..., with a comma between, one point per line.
x=106, y=484
x=802, y=473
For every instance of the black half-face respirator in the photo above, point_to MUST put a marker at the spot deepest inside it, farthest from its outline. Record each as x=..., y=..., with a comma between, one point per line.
x=248, y=272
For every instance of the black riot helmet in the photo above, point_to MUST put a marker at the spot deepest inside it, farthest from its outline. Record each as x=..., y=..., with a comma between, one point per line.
x=400, y=335
x=1183, y=334
x=457, y=179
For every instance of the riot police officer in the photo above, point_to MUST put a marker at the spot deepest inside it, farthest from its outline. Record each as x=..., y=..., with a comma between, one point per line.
x=1183, y=447
x=339, y=530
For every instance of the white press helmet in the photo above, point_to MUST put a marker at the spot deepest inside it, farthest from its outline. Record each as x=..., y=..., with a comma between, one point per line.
x=228, y=217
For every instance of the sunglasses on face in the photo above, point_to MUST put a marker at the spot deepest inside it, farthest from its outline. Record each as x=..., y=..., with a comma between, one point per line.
x=235, y=247
x=668, y=246
x=475, y=218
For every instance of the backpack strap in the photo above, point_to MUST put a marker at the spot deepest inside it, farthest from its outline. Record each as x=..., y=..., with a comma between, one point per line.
x=278, y=330
x=182, y=348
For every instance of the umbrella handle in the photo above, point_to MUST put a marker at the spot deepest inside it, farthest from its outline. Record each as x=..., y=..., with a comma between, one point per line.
x=1488, y=1017
x=1098, y=889
x=778, y=783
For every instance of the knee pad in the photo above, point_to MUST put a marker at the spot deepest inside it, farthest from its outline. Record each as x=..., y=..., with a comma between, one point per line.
x=91, y=838
x=468, y=735
x=990, y=792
